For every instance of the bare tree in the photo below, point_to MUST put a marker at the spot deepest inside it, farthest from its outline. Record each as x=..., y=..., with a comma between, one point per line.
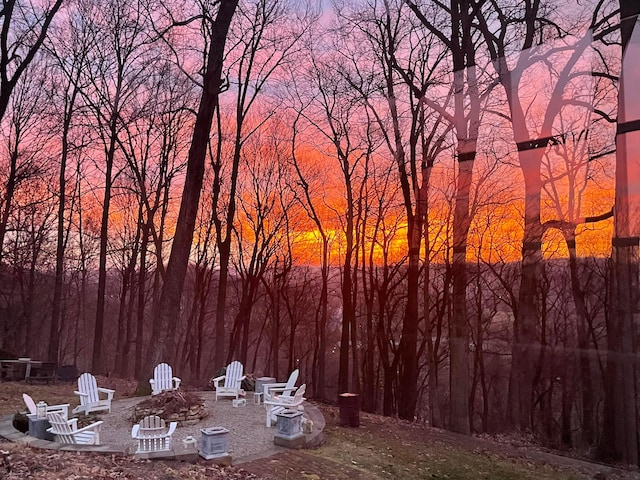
x=217, y=28
x=310, y=200
x=153, y=142
x=511, y=60
x=24, y=29
x=339, y=120
x=69, y=50
x=620, y=435
x=25, y=168
x=261, y=226
x=262, y=46
x=118, y=34
x=19, y=159
x=467, y=100
x=412, y=145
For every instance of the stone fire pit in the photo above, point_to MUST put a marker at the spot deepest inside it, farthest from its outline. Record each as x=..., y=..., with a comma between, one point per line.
x=175, y=406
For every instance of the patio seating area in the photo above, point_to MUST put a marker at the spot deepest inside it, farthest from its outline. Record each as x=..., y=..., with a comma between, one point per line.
x=248, y=437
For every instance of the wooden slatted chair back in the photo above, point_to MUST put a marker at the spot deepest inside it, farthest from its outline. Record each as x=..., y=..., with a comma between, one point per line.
x=62, y=409
x=61, y=428
x=163, y=376
x=67, y=431
x=152, y=434
x=87, y=384
x=291, y=383
x=233, y=375
x=31, y=405
x=152, y=422
x=298, y=398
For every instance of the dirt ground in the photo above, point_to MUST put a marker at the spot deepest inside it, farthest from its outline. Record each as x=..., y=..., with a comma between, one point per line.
x=381, y=448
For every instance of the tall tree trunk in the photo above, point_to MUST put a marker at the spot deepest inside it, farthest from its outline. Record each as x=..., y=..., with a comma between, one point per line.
x=7, y=201
x=368, y=280
x=97, y=366
x=464, y=74
x=142, y=283
x=169, y=304
x=524, y=354
x=224, y=249
x=125, y=293
x=459, y=328
x=127, y=366
x=224, y=242
x=275, y=325
x=321, y=322
x=582, y=330
x=322, y=327
x=619, y=439
x=54, y=333
x=432, y=350
x=13, y=65
x=407, y=350
x=82, y=309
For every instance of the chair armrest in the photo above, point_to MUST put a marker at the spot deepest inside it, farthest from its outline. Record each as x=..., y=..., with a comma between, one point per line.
x=172, y=428
x=108, y=391
x=291, y=400
x=82, y=394
x=94, y=427
x=285, y=402
x=134, y=430
x=282, y=390
x=73, y=423
x=217, y=380
x=269, y=386
x=177, y=381
x=271, y=389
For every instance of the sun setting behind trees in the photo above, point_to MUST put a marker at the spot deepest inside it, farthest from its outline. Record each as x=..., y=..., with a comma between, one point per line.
x=423, y=203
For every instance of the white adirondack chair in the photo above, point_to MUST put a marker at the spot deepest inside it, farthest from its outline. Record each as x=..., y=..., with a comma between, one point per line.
x=229, y=384
x=62, y=409
x=163, y=379
x=278, y=404
x=67, y=431
x=89, y=394
x=152, y=434
x=287, y=389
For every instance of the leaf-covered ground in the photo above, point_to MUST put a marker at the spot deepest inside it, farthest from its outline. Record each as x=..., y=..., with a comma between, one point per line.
x=19, y=463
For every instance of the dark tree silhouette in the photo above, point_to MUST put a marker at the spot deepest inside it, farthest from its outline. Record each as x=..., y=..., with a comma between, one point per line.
x=169, y=305
x=619, y=440
x=19, y=24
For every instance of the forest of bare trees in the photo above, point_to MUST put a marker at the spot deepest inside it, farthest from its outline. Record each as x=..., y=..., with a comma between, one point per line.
x=431, y=204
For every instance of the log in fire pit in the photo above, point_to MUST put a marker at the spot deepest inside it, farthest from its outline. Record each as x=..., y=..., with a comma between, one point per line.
x=175, y=406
